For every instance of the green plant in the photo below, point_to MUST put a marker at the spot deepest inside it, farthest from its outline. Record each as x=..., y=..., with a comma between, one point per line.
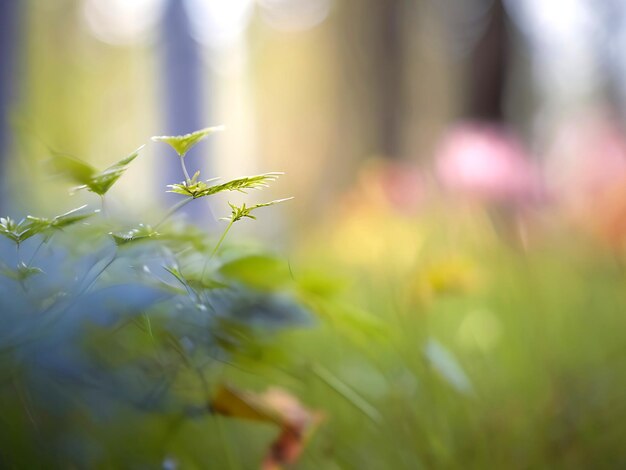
x=138, y=322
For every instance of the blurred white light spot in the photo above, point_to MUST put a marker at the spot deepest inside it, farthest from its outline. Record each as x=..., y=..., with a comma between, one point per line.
x=553, y=28
x=561, y=37
x=122, y=22
x=295, y=15
x=219, y=23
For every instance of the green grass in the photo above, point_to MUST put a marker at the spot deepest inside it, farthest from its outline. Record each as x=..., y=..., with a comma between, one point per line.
x=540, y=336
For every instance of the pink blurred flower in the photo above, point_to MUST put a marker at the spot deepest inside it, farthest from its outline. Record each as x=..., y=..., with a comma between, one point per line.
x=587, y=171
x=488, y=163
x=586, y=159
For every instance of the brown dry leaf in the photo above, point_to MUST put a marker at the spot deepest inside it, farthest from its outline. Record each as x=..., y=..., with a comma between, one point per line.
x=277, y=406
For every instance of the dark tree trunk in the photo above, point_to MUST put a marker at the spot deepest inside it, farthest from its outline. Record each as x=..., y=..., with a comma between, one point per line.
x=390, y=76
x=488, y=69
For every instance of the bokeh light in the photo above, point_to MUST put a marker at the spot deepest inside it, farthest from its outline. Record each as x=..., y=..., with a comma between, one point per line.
x=295, y=15
x=121, y=22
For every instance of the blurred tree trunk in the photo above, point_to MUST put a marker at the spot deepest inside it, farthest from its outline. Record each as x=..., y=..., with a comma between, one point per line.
x=9, y=19
x=183, y=94
x=488, y=68
x=389, y=74
x=370, y=66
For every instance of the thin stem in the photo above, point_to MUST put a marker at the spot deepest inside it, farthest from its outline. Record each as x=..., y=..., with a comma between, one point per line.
x=32, y=258
x=219, y=242
x=172, y=210
x=349, y=394
x=217, y=246
x=103, y=205
x=182, y=164
x=95, y=278
x=148, y=325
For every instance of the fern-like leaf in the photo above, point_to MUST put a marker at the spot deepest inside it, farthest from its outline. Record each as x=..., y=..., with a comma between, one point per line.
x=197, y=189
x=239, y=212
x=183, y=143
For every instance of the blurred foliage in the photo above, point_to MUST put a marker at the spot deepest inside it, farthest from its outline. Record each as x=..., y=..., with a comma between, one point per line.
x=127, y=329
x=464, y=314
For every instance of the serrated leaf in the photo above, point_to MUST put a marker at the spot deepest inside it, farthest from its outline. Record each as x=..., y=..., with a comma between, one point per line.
x=87, y=176
x=239, y=212
x=100, y=183
x=197, y=189
x=183, y=143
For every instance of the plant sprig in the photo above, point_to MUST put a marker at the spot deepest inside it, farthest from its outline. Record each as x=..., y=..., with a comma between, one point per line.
x=183, y=143
x=26, y=228
x=239, y=212
x=197, y=189
x=87, y=176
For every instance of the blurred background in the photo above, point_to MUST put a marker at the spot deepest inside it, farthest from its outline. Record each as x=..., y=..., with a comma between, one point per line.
x=453, y=92
x=459, y=173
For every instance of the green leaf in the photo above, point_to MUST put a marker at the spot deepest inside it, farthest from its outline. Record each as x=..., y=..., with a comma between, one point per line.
x=197, y=189
x=258, y=271
x=71, y=217
x=72, y=168
x=38, y=224
x=19, y=231
x=141, y=233
x=102, y=182
x=87, y=176
x=41, y=224
x=205, y=284
x=183, y=143
x=22, y=272
x=239, y=213
x=246, y=182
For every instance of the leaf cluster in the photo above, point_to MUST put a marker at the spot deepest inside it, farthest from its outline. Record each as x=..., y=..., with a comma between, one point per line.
x=132, y=337
x=239, y=212
x=26, y=228
x=87, y=176
x=183, y=143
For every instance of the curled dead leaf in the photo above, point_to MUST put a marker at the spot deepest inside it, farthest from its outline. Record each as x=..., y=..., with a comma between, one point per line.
x=297, y=423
